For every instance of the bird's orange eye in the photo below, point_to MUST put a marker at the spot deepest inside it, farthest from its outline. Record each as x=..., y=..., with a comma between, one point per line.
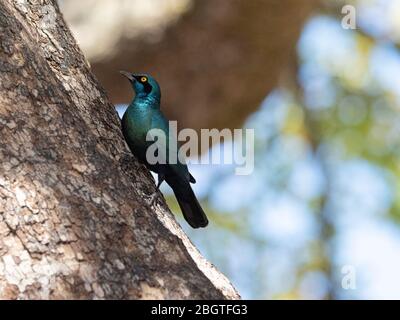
x=143, y=79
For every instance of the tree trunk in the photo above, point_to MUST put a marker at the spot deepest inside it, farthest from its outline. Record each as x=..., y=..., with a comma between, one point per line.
x=74, y=215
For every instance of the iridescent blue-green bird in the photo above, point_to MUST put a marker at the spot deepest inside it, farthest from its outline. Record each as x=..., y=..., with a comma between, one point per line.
x=144, y=114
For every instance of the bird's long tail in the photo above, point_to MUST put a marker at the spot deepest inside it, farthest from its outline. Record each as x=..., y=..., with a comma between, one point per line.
x=190, y=206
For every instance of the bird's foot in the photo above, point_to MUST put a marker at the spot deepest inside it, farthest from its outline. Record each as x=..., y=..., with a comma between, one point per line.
x=125, y=155
x=154, y=196
x=153, y=199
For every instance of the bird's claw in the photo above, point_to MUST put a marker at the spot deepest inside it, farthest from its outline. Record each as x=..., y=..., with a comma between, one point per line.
x=153, y=199
x=126, y=154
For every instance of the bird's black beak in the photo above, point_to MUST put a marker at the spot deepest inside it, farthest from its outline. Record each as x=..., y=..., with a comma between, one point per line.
x=128, y=75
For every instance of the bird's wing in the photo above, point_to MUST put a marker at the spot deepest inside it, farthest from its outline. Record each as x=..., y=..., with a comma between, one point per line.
x=169, y=146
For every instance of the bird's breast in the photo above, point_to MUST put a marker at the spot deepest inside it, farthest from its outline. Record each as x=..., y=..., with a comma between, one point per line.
x=135, y=125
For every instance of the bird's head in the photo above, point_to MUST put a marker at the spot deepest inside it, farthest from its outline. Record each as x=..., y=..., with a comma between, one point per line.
x=143, y=84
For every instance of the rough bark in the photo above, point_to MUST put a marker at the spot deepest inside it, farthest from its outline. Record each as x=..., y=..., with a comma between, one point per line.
x=74, y=217
x=216, y=64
